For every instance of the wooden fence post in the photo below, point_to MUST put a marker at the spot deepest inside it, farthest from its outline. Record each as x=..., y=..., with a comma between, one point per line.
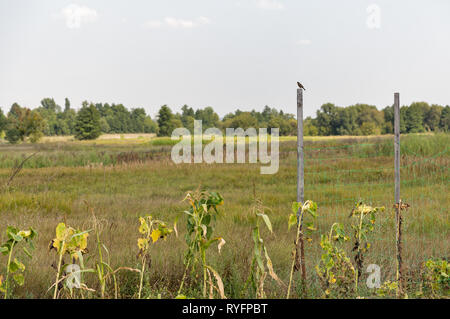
x=398, y=202
x=300, y=185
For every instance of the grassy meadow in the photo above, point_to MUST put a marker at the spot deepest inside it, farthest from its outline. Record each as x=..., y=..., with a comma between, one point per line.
x=122, y=178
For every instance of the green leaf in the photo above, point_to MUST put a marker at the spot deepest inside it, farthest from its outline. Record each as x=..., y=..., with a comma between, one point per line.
x=80, y=234
x=11, y=230
x=4, y=250
x=266, y=220
x=206, y=220
x=33, y=233
x=258, y=258
x=209, y=242
x=25, y=250
x=295, y=207
x=15, y=236
x=255, y=234
x=312, y=212
x=19, y=279
x=16, y=265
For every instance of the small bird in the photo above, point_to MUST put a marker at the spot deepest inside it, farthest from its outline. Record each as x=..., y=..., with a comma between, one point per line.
x=301, y=86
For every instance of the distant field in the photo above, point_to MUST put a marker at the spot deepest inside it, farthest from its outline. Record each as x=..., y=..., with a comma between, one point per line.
x=102, y=137
x=124, y=178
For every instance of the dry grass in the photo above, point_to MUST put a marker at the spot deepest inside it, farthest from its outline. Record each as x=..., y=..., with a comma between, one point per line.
x=103, y=137
x=335, y=178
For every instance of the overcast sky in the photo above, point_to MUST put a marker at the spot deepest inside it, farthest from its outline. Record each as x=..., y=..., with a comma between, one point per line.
x=227, y=54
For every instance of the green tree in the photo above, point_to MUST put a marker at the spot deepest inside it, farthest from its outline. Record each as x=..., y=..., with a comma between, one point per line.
x=87, y=124
x=35, y=125
x=137, y=120
x=244, y=120
x=370, y=128
x=403, y=117
x=66, y=104
x=444, y=122
x=309, y=127
x=3, y=121
x=49, y=110
x=166, y=121
x=388, y=114
x=327, y=118
x=104, y=126
x=150, y=126
x=281, y=123
x=187, y=111
x=119, y=119
x=433, y=117
x=415, y=115
x=22, y=123
x=208, y=117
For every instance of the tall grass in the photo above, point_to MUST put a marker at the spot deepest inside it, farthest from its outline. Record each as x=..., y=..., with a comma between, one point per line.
x=338, y=172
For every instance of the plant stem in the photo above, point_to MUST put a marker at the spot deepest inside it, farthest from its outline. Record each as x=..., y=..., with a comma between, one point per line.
x=186, y=269
x=358, y=252
x=204, y=273
x=101, y=268
x=297, y=238
x=61, y=253
x=398, y=216
x=7, y=269
x=302, y=259
x=142, y=277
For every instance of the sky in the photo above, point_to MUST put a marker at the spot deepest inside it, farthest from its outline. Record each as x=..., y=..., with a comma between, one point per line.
x=228, y=54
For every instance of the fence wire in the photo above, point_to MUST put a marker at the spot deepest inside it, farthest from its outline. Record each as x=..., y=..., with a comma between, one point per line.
x=338, y=176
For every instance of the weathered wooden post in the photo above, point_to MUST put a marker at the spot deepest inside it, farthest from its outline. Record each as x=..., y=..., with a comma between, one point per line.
x=300, y=164
x=397, y=145
x=398, y=202
x=300, y=184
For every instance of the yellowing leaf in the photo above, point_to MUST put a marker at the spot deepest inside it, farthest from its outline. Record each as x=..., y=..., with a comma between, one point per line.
x=220, y=286
x=175, y=227
x=155, y=235
x=142, y=243
x=19, y=279
x=292, y=220
x=266, y=221
x=205, y=230
x=296, y=206
x=61, y=231
x=143, y=229
x=270, y=267
x=24, y=233
x=221, y=243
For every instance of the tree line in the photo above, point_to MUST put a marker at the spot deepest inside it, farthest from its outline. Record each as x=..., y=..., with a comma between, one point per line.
x=93, y=119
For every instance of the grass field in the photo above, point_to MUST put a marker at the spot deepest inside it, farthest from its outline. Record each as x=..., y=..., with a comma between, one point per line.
x=124, y=178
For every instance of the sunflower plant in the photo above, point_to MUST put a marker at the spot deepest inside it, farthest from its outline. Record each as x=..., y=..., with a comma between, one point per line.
x=14, y=266
x=151, y=231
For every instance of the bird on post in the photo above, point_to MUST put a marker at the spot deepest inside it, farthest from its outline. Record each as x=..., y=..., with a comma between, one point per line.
x=301, y=86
